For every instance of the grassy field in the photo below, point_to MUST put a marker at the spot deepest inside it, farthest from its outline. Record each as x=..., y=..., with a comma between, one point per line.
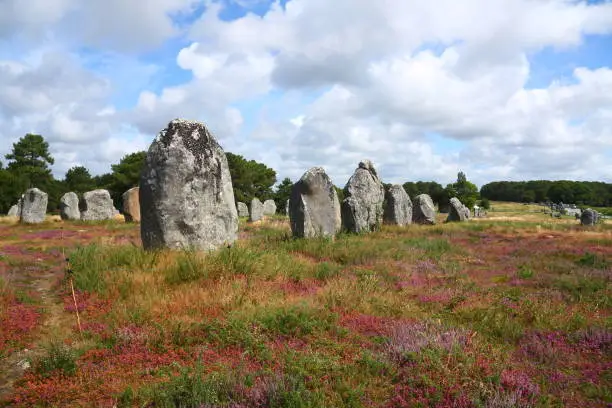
x=508, y=311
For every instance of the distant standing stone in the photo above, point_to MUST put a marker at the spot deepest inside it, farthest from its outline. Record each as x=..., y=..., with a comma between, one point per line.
x=362, y=209
x=186, y=195
x=269, y=207
x=34, y=206
x=15, y=210
x=97, y=205
x=131, y=205
x=457, y=212
x=243, y=209
x=423, y=210
x=256, y=210
x=588, y=217
x=398, y=207
x=287, y=207
x=69, y=207
x=314, y=208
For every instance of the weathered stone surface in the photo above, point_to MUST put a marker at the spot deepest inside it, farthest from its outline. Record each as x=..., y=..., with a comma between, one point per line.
x=69, y=207
x=314, y=208
x=423, y=210
x=457, y=212
x=362, y=209
x=589, y=217
x=256, y=210
x=269, y=207
x=398, y=207
x=97, y=205
x=131, y=205
x=34, y=209
x=243, y=209
x=186, y=195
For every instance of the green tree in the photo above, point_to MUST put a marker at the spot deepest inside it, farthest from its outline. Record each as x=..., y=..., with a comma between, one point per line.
x=30, y=159
x=282, y=194
x=79, y=180
x=464, y=190
x=250, y=178
x=12, y=187
x=125, y=175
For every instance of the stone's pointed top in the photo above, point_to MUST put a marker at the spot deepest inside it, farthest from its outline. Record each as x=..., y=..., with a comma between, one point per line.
x=312, y=171
x=369, y=166
x=194, y=135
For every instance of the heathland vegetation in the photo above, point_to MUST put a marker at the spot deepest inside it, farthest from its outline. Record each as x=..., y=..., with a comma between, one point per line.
x=513, y=310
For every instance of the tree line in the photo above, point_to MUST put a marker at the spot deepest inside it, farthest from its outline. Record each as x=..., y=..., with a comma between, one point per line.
x=584, y=193
x=28, y=165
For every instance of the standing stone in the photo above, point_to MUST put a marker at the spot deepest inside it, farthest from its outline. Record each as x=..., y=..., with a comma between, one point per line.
x=588, y=217
x=269, y=207
x=458, y=212
x=69, y=207
x=314, y=208
x=423, y=210
x=362, y=209
x=131, y=205
x=287, y=207
x=186, y=193
x=15, y=210
x=256, y=210
x=34, y=206
x=398, y=207
x=243, y=209
x=97, y=205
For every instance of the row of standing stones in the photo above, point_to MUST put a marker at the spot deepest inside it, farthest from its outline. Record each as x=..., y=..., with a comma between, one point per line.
x=186, y=200
x=96, y=205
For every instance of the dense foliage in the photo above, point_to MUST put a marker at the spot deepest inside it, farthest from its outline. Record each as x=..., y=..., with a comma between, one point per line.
x=590, y=193
x=250, y=178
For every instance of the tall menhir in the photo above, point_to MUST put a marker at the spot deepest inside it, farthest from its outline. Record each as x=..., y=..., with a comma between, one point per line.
x=186, y=195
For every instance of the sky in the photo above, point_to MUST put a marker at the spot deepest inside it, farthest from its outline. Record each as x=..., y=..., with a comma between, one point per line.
x=498, y=89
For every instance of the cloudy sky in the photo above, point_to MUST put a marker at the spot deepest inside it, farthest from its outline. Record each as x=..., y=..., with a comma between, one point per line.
x=501, y=89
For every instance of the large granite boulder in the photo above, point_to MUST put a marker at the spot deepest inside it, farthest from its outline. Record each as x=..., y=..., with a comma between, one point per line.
x=256, y=210
x=243, y=209
x=69, y=207
x=398, y=207
x=131, y=205
x=97, y=205
x=362, y=208
x=457, y=211
x=589, y=217
x=34, y=206
x=314, y=208
x=186, y=194
x=269, y=207
x=423, y=210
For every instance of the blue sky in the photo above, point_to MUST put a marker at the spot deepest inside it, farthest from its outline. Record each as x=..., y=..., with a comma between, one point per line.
x=418, y=88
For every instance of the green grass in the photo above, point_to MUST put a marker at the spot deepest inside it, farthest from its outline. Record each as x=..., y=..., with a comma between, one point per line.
x=458, y=314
